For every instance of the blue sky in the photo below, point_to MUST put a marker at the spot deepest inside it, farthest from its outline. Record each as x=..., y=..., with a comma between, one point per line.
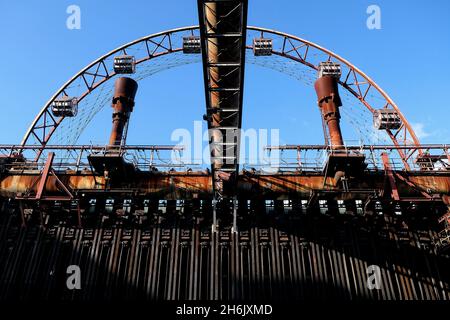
x=408, y=58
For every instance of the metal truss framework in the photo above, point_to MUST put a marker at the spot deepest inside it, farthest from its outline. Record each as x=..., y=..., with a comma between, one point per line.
x=294, y=48
x=223, y=37
x=167, y=256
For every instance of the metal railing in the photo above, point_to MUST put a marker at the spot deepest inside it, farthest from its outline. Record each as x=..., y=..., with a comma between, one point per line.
x=296, y=158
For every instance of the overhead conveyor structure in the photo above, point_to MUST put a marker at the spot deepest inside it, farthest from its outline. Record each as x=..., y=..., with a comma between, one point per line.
x=223, y=28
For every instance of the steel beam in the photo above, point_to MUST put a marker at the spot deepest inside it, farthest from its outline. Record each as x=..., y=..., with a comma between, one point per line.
x=123, y=103
x=223, y=28
x=199, y=184
x=329, y=103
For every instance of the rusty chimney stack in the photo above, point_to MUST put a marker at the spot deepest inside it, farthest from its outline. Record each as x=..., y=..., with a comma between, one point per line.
x=329, y=101
x=123, y=103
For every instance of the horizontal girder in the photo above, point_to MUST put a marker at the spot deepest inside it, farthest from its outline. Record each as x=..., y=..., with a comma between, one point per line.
x=186, y=185
x=223, y=28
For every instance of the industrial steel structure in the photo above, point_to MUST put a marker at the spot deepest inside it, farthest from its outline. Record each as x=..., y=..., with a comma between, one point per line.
x=142, y=226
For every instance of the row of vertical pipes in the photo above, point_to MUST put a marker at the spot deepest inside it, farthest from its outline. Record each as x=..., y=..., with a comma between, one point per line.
x=172, y=259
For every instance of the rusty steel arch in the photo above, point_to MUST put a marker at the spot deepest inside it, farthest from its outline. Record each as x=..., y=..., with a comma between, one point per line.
x=291, y=47
x=93, y=76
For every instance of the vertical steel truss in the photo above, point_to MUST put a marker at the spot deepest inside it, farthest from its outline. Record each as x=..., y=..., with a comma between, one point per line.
x=223, y=28
x=96, y=74
x=287, y=46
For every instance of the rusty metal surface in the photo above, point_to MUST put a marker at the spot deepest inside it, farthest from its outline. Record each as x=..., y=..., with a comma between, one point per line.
x=390, y=176
x=44, y=177
x=310, y=232
x=122, y=103
x=329, y=103
x=190, y=184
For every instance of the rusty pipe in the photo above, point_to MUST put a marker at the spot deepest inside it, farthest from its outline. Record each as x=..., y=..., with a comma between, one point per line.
x=123, y=103
x=329, y=102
